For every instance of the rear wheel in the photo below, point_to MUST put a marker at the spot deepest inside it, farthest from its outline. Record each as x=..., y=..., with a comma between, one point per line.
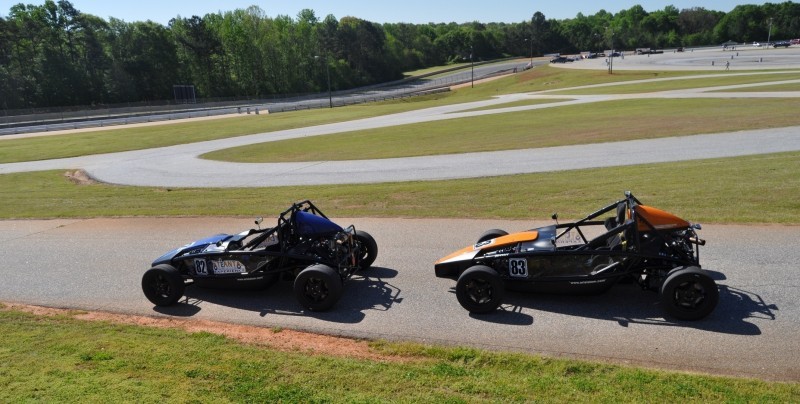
x=492, y=233
x=163, y=285
x=318, y=287
x=688, y=293
x=479, y=289
x=368, y=249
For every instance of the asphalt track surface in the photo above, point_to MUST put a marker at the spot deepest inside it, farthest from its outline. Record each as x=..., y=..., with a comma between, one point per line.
x=96, y=264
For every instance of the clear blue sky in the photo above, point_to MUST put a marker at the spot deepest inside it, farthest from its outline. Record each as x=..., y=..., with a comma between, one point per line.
x=411, y=11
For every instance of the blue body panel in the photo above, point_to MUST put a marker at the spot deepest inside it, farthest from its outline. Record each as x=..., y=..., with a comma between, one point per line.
x=310, y=225
x=167, y=258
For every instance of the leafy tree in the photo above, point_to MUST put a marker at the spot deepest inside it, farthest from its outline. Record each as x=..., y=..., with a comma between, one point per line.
x=696, y=26
x=54, y=55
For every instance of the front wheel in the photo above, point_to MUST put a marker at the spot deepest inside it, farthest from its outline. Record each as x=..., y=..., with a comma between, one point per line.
x=318, y=287
x=479, y=289
x=368, y=249
x=163, y=285
x=689, y=294
x=492, y=233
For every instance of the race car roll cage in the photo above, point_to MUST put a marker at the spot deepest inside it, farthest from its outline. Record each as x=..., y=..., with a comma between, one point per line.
x=288, y=237
x=286, y=228
x=625, y=226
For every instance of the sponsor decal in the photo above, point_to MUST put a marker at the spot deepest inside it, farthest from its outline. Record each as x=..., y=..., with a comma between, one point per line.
x=569, y=238
x=482, y=244
x=259, y=278
x=227, y=267
x=587, y=282
x=269, y=241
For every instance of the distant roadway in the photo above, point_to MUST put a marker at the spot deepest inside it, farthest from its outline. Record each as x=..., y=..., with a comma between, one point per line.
x=180, y=165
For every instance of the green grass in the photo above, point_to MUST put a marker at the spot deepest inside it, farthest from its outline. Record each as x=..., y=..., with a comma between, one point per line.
x=751, y=189
x=682, y=84
x=62, y=359
x=116, y=140
x=521, y=103
x=137, y=138
x=764, y=88
x=558, y=126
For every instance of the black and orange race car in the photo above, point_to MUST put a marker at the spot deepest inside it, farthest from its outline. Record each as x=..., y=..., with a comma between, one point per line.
x=655, y=248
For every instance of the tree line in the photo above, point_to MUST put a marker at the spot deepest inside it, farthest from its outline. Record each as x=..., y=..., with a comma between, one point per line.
x=53, y=55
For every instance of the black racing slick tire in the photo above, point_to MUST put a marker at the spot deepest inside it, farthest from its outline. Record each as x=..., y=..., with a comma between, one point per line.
x=492, y=233
x=688, y=293
x=369, y=249
x=318, y=287
x=163, y=285
x=480, y=290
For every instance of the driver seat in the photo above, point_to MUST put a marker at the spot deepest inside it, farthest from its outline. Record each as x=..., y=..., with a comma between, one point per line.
x=617, y=241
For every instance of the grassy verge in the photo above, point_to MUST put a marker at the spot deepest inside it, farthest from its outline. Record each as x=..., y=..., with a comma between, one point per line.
x=566, y=125
x=751, y=189
x=62, y=359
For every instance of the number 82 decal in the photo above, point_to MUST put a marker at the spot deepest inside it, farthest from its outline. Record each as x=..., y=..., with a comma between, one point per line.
x=518, y=267
x=200, y=267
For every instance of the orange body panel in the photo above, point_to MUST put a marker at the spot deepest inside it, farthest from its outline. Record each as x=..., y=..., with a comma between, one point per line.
x=660, y=219
x=497, y=242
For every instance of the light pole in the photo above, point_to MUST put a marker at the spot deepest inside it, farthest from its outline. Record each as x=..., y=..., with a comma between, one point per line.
x=531, y=44
x=769, y=34
x=611, y=56
x=328, y=71
x=472, y=64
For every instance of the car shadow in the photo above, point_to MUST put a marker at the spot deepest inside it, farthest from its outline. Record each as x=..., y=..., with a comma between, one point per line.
x=628, y=304
x=505, y=314
x=365, y=291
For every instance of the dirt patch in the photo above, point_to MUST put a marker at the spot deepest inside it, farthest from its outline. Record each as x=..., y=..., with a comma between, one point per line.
x=79, y=177
x=275, y=338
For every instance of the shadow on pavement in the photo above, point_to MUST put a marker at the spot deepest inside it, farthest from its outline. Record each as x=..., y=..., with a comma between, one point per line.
x=367, y=290
x=629, y=304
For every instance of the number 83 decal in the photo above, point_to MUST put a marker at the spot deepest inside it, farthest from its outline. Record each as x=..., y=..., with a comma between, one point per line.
x=518, y=267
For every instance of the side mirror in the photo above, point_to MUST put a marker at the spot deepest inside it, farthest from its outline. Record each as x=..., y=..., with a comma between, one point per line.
x=258, y=222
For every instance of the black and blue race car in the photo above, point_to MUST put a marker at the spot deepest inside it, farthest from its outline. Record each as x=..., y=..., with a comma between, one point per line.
x=305, y=246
